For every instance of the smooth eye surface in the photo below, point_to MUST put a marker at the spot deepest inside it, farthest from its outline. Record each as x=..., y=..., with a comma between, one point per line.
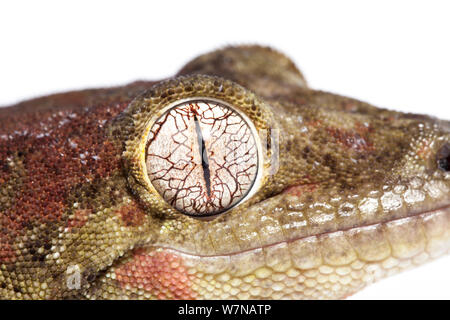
x=202, y=157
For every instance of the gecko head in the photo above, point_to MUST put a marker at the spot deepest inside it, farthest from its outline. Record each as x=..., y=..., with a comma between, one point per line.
x=266, y=179
x=231, y=180
x=254, y=186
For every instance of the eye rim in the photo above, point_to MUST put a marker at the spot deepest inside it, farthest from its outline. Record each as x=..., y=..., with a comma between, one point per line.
x=139, y=117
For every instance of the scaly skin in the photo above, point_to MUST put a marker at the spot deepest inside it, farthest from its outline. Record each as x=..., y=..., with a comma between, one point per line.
x=349, y=193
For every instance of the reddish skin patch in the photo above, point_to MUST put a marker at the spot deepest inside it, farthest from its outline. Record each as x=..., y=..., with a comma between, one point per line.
x=51, y=165
x=54, y=151
x=7, y=254
x=79, y=218
x=160, y=273
x=349, y=106
x=363, y=129
x=50, y=148
x=298, y=190
x=315, y=123
x=354, y=140
x=131, y=215
x=424, y=151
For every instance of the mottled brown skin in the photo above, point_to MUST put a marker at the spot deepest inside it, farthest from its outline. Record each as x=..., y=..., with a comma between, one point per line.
x=349, y=193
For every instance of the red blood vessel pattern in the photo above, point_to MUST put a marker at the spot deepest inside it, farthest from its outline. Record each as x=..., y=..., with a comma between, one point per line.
x=202, y=157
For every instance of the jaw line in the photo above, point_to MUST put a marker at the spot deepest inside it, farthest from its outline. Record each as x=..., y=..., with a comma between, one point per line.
x=443, y=209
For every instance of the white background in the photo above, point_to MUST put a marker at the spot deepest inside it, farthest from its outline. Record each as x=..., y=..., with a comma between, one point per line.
x=391, y=54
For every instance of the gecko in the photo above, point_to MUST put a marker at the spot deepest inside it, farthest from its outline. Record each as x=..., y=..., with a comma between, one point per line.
x=232, y=179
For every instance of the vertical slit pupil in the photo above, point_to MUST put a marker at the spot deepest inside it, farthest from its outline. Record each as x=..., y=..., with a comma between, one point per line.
x=203, y=155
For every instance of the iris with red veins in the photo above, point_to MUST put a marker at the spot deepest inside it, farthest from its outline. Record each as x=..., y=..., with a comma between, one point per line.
x=202, y=157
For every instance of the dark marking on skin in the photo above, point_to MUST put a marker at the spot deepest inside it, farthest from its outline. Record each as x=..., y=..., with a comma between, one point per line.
x=305, y=152
x=330, y=161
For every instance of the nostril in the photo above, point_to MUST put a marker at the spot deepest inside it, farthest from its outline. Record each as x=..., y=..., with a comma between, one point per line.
x=443, y=157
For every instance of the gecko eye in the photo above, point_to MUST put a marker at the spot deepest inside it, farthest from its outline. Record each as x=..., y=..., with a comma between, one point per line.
x=202, y=157
x=197, y=145
x=443, y=158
